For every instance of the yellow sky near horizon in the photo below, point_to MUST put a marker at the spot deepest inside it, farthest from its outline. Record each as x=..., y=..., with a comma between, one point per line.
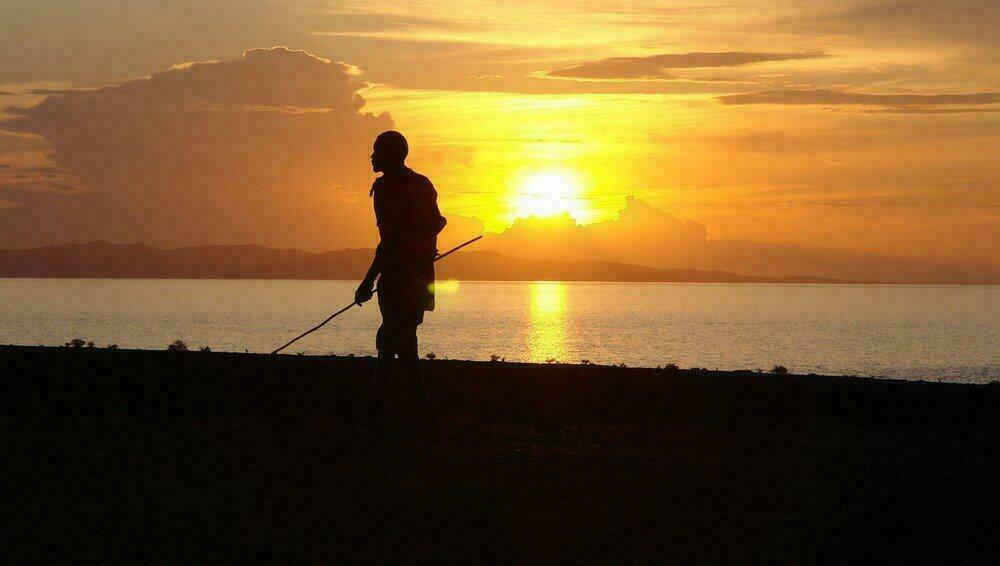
x=804, y=174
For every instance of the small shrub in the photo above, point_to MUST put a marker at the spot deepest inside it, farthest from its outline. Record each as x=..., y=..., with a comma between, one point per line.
x=112, y=346
x=75, y=343
x=494, y=358
x=204, y=349
x=671, y=367
x=585, y=362
x=779, y=370
x=430, y=356
x=90, y=344
x=177, y=346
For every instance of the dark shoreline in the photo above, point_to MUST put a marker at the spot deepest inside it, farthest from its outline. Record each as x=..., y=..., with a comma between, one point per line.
x=119, y=454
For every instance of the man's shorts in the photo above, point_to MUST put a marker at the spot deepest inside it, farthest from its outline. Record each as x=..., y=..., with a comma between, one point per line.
x=400, y=318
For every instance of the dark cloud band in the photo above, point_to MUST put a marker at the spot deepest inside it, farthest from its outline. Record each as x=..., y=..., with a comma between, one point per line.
x=838, y=97
x=658, y=66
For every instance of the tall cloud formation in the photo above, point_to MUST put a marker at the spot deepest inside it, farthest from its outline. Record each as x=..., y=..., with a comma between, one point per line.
x=271, y=148
x=658, y=66
x=645, y=235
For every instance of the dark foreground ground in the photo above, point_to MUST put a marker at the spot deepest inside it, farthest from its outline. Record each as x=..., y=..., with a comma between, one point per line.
x=116, y=455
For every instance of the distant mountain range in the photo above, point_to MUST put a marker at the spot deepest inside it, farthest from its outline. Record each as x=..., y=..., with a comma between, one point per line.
x=101, y=259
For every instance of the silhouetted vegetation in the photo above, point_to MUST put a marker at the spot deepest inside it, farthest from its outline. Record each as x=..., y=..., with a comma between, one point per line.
x=586, y=362
x=75, y=343
x=779, y=370
x=551, y=361
x=112, y=346
x=177, y=346
x=204, y=349
x=495, y=358
x=671, y=367
x=431, y=356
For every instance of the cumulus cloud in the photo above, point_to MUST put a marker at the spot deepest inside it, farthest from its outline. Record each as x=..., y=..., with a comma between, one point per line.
x=658, y=66
x=841, y=97
x=270, y=148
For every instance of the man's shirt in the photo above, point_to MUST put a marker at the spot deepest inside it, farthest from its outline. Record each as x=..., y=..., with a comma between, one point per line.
x=409, y=221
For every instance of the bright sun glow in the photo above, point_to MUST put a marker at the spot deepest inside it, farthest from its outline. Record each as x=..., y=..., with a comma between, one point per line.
x=550, y=193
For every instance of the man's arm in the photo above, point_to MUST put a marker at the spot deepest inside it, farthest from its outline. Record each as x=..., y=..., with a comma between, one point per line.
x=366, y=289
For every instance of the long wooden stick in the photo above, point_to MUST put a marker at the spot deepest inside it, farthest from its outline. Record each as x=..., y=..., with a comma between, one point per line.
x=348, y=307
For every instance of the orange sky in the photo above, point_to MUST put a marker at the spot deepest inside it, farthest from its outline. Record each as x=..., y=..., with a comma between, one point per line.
x=858, y=125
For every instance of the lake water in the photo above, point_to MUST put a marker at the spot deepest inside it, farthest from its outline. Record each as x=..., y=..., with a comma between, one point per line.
x=945, y=333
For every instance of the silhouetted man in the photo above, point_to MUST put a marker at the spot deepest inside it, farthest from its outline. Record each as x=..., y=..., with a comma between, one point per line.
x=408, y=221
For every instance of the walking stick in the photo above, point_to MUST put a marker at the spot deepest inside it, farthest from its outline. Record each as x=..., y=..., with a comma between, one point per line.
x=348, y=307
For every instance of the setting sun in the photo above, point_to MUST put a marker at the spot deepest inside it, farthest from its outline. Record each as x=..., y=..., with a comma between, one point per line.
x=550, y=193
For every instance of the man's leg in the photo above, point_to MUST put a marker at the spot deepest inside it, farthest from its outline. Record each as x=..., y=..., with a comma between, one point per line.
x=380, y=386
x=383, y=369
x=413, y=373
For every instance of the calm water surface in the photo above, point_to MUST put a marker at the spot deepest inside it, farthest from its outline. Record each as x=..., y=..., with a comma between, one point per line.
x=914, y=332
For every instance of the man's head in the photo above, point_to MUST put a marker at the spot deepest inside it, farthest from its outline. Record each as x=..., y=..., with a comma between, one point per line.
x=389, y=152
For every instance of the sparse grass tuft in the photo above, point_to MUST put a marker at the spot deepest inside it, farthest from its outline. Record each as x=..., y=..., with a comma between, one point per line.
x=430, y=356
x=112, y=346
x=204, y=349
x=779, y=370
x=495, y=358
x=177, y=346
x=75, y=343
x=586, y=362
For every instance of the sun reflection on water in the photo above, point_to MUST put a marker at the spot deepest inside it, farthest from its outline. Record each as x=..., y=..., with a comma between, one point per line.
x=547, y=312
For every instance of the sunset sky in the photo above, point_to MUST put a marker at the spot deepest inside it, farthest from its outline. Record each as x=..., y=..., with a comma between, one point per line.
x=844, y=125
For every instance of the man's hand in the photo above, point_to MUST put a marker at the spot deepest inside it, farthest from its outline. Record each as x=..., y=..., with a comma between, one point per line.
x=365, y=292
